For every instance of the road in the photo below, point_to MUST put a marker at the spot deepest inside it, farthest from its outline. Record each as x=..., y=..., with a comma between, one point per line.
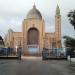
x=35, y=66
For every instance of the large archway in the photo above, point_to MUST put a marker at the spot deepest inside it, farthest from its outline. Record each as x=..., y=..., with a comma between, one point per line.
x=33, y=36
x=33, y=41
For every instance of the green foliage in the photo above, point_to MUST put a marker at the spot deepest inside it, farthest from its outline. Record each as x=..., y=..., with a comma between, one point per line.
x=69, y=41
x=71, y=16
x=70, y=44
x=1, y=41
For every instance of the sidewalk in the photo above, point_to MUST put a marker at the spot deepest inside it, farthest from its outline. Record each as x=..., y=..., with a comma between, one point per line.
x=8, y=57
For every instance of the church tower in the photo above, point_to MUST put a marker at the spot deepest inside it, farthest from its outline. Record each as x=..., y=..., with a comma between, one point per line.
x=58, y=27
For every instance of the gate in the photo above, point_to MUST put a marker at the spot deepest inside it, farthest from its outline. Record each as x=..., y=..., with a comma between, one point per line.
x=54, y=53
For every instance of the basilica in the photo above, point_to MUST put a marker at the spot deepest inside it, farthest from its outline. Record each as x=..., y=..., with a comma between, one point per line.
x=33, y=35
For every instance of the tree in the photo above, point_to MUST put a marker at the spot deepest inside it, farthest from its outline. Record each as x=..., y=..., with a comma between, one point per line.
x=1, y=41
x=71, y=16
x=70, y=44
x=69, y=41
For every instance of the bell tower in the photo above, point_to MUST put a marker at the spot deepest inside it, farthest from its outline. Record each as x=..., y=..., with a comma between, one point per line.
x=58, y=27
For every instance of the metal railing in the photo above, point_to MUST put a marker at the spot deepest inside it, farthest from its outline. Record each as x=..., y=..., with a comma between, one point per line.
x=9, y=52
x=60, y=52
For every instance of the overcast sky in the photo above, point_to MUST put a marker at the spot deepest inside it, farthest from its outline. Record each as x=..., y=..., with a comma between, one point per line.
x=13, y=12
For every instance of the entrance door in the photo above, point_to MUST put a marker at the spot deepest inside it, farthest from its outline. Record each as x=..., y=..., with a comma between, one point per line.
x=33, y=51
x=32, y=40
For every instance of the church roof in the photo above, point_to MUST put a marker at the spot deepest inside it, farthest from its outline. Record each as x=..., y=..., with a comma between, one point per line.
x=34, y=13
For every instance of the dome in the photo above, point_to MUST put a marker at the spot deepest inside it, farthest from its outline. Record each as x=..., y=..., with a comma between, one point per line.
x=34, y=14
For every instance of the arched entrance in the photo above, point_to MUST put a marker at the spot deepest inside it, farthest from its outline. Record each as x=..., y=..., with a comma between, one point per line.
x=33, y=41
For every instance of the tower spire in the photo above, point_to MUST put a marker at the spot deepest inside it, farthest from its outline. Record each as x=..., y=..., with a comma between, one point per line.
x=57, y=10
x=34, y=6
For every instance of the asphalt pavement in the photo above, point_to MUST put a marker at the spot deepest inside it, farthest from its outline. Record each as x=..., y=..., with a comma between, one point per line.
x=35, y=66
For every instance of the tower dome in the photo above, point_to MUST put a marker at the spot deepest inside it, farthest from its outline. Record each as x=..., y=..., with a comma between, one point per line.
x=34, y=13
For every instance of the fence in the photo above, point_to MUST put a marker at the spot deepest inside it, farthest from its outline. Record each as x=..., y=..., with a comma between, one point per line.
x=56, y=52
x=9, y=52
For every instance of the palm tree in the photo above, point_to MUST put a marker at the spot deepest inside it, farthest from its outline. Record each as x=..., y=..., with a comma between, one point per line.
x=71, y=16
x=69, y=41
x=1, y=41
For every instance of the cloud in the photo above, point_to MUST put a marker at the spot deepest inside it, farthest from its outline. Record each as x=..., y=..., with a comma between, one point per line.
x=13, y=12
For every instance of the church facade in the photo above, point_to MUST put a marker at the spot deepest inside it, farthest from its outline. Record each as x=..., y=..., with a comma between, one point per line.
x=33, y=35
